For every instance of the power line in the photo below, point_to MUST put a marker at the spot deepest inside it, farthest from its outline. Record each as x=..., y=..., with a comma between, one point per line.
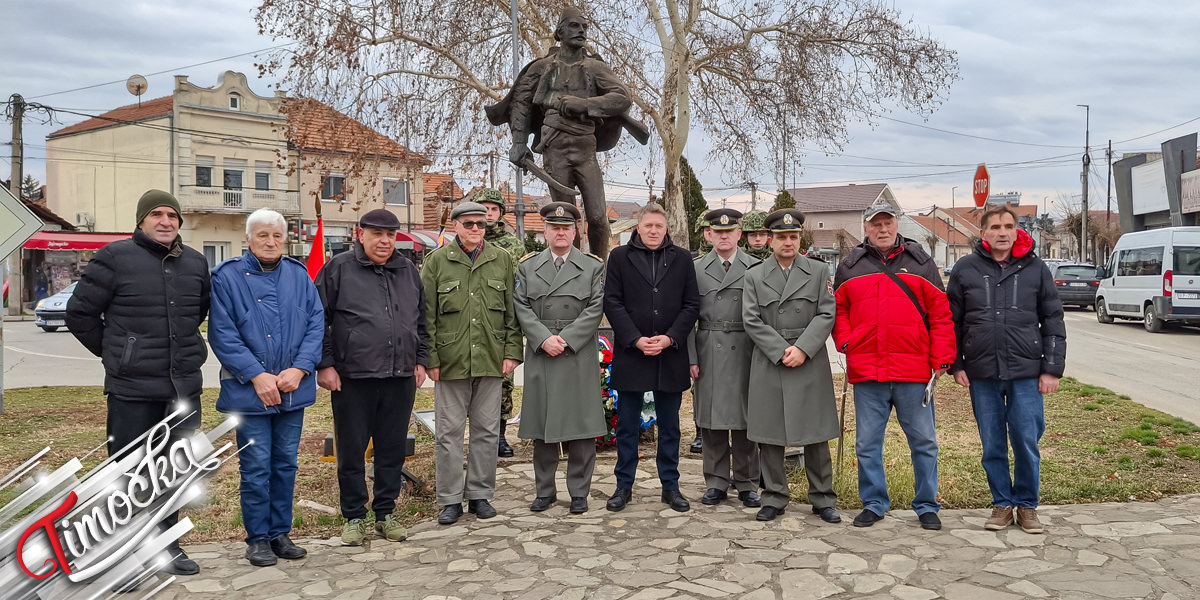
x=968, y=135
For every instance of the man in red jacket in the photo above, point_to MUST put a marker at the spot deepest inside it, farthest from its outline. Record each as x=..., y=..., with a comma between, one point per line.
x=893, y=323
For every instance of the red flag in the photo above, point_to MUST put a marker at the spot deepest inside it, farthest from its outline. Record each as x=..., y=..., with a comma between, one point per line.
x=316, y=256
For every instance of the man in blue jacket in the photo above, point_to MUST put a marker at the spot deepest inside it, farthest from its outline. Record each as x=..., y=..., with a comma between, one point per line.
x=266, y=328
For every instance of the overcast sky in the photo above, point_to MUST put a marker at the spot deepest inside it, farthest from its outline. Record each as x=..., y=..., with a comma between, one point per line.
x=1024, y=67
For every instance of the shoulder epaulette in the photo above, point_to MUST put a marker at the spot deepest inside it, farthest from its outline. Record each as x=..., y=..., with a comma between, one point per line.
x=527, y=256
x=598, y=259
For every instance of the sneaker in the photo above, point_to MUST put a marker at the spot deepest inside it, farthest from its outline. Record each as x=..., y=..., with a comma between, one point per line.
x=391, y=529
x=930, y=521
x=1002, y=516
x=353, y=532
x=1027, y=518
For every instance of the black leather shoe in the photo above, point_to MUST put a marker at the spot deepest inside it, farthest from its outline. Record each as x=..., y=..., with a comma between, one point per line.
x=676, y=501
x=579, y=505
x=750, y=499
x=481, y=508
x=450, y=514
x=713, y=496
x=619, y=499
x=866, y=518
x=504, y=450
x=260, y=555
x=768, y=513
x=283, y=547
x=542, y=503
x=930, y=521
x=180, y=563
x=697, y=445
x=828, y=514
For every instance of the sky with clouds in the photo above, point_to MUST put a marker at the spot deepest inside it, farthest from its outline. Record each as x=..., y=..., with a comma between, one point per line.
x=1024, y=66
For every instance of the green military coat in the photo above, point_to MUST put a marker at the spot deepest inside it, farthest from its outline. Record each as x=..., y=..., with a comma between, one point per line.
x=469, y=308
x=789, y=406
x=562, y=393
x=719, y=344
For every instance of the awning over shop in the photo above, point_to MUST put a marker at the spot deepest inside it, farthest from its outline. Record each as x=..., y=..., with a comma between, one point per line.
x=430, y=241
x=72, y=240
x=414, y=243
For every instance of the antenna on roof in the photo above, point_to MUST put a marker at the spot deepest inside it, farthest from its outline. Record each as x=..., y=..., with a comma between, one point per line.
x=137, y=85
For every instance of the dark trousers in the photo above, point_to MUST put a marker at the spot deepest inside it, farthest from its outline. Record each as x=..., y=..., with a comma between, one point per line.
x=128, y=419
x=629, y=430
x=366, y=409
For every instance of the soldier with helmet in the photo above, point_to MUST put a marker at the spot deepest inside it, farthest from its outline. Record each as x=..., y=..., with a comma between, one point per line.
x=498, y=235
x=757, y=235
x=702, y=225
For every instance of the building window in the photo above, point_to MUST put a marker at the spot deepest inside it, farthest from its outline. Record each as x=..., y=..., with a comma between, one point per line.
x=332, y=188
x=204, y=171
x=262, y=175
x=395, y=191
x=820, y=224
x=233, y=170
x=235, y=101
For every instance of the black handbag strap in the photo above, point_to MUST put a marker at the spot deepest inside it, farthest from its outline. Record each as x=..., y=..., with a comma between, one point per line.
x=904, y=287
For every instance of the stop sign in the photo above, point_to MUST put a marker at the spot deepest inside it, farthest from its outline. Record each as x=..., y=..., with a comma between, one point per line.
x=982, y=184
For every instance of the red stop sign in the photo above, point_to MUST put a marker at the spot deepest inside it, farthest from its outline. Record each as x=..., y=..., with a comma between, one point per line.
x=982, y=185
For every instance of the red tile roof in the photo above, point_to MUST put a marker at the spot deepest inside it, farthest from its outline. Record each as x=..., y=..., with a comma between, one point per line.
x=316, y=126
x=836, y=198
x=134, y=112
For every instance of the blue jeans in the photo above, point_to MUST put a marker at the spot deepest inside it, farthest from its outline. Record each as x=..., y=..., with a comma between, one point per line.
x=1004, y=411
x=629, y=432
x=268, y=469
x=873, y=402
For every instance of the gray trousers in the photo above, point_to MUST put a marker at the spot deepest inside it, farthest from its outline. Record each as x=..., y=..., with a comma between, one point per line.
x=581, y=462
x=455, y=402
x=718, y=456
x=818, y=466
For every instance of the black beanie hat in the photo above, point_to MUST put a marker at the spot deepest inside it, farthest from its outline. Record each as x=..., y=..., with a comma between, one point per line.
x=154, y=199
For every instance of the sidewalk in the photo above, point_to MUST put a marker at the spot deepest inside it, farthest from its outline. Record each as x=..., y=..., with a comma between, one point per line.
x=649, y=552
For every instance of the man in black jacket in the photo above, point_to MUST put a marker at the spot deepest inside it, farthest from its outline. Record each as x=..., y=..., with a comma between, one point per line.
x=139, y=307
x=652, y=301
x=376, y=353
x=1011, y=349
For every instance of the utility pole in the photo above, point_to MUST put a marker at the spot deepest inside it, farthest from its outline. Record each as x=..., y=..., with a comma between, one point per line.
x=519, y=203
x=1108, y=209
x=753, y=195
x=1084, y=205
x=950, y=233
x=15, y=285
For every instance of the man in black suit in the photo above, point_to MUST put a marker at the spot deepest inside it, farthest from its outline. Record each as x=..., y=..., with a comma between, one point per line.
x=652, y=302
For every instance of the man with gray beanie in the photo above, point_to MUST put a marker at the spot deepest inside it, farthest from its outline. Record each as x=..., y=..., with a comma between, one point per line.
x=139, y=307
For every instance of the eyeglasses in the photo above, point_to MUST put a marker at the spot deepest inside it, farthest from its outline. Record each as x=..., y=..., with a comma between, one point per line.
x=473, y=224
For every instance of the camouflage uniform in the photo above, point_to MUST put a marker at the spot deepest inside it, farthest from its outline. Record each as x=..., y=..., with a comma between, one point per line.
x=498, y=235
x=753, y=221
x=701, y=225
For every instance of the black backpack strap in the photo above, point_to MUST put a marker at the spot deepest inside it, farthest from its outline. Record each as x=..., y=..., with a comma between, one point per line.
x=904, y=287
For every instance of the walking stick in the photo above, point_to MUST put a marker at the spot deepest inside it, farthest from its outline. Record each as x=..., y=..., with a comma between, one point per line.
x=842, y=410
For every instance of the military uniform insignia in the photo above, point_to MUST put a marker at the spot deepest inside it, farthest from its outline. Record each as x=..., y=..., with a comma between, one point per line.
x=724, y=219
x=787, y=219
x=558, y=212
x=528, y=256
x=829, y=286
x=598, y=259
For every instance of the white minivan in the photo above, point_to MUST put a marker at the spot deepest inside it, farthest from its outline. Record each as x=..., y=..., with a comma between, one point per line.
x=1152, y=276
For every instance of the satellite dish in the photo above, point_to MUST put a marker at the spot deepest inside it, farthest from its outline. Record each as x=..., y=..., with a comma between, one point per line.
x=136, y=85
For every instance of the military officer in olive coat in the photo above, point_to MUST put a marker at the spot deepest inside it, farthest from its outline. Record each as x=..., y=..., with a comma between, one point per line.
x=788, y=313
x=720, y=363
x=559, y=302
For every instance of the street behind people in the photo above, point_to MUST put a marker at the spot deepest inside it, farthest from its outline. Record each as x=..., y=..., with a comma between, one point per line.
x=376, y=352
x=651, y=300
x=476, y=341
x=788, y=311
x=138, y=307
x=893, y=323
x=267, y=328
x=1012, y=348
x=559, y=302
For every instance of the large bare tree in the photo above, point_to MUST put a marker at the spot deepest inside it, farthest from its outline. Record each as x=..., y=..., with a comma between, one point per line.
x=744, y=71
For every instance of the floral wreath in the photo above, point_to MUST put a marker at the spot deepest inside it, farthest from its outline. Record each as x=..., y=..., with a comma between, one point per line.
x=608, y=397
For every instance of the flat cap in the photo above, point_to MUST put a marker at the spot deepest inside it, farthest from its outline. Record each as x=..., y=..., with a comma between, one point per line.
x=561, y=213
x=723, y=219
x=380, y=218
x=467, y=209
x=784, y=219
x=879, y=207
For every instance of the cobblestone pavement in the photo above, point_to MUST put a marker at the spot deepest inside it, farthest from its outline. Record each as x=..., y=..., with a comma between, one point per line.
x=649, y=552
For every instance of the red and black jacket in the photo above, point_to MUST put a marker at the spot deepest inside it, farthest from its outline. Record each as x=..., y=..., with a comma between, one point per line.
x=879, y=328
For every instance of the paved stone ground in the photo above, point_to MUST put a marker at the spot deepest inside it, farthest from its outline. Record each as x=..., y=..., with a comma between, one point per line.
x=649, y=552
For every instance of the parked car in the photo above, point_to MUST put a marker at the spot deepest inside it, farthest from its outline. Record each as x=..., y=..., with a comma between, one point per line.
x=948, y=269
x=1076, y=284
x=52, y=312
x=1153, y=276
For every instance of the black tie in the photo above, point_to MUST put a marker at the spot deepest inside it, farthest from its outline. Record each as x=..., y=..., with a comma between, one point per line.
x=558, y=262
x=726, y=263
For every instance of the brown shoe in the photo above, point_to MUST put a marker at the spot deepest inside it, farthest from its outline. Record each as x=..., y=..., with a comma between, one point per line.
x=1028, y=520
x=1002, y=516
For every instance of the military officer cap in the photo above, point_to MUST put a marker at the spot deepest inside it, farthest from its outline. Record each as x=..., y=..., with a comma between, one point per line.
x=560, y=213
x=878, y=207
x=723, y=219
x=784, y=219
x=753, y=221
x=380, y=218
x=467, y=209
x=489, y=195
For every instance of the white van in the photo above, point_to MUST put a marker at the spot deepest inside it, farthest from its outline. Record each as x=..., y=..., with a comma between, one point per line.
x=1153, y=276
